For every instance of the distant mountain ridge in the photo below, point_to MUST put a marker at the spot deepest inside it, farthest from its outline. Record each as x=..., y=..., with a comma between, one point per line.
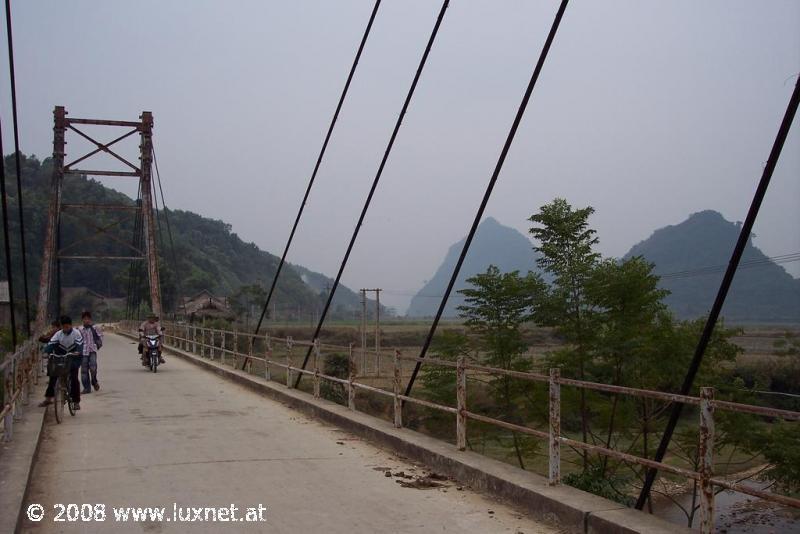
x=691, y=255
x=494, y=244
x=683, y=253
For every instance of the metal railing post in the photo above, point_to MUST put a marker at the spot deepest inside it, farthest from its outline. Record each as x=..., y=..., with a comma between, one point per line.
x=194, y=340
x=213, y=346
x=8, y=420
x=398, y=405
x=17, y=408
x=461, y=404
x=288, y=362
x=316, y=368
x=268, y=359
x=235, y=347
x=222, y=348
x=351, y=377
x=554, y=472
x=706, y=457
x=251, y=349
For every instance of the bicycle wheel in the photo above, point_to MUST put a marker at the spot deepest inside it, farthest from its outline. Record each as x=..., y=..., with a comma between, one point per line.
x=70, y=401
x=58, y=401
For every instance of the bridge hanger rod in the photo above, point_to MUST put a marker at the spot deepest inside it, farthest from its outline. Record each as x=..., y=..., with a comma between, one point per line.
x=498, y=167
x=316, y=169
x=378, y=174
x=722, y=293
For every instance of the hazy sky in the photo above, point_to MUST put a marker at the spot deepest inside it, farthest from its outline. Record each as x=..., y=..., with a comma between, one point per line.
x=647, y=110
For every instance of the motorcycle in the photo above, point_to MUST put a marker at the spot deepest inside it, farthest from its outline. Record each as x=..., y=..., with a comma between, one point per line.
x=152, y=348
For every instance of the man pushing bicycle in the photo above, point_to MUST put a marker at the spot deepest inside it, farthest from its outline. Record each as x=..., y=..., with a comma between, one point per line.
x=67, y=341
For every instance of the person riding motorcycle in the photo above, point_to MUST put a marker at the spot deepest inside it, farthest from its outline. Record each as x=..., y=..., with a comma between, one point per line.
x=151, y=327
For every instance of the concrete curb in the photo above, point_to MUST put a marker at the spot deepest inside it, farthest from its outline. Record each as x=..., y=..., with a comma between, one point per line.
x=18, y=459
x=566, y=507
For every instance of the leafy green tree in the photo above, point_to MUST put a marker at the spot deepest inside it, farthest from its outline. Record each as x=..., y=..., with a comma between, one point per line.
x=439, y=381
x=629, y=315
x=566, y=243
x=495, y=307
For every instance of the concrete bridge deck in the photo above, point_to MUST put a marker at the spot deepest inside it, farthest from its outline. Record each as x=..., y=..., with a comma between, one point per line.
x=192, y=438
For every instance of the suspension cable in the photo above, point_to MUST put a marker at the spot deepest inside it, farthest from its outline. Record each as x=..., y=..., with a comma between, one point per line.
x=159, y=233
x=736, y=256
x=7, y=246
x=12, y=77
x=316, y=168
x=169, y=234
x=399, y=121
x=479, y=215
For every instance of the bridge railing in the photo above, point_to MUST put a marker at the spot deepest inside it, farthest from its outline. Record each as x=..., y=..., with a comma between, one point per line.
x=271, y=352
x=20, y=371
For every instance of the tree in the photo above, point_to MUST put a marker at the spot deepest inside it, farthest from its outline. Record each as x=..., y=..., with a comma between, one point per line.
x=495, y=307
x=566, y=244
x=629, y=317
x=439, y=381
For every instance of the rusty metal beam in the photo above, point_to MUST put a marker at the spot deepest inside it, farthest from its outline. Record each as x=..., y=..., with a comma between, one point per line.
x=65, y=207
x=101, y=230
x=46, y=277
x=102, y=148
x=146, y=160
x=101, y=257
x=88, y=172
x=100, y=122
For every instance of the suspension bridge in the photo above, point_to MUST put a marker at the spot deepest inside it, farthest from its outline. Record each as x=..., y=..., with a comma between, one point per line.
x=240, y=422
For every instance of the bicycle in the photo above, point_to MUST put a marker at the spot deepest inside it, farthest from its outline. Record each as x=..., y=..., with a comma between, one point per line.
x=60, y=366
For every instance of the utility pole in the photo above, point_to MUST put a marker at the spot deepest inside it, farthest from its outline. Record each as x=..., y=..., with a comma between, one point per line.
x=377, y=328
x=377, y=321
x=363, y=329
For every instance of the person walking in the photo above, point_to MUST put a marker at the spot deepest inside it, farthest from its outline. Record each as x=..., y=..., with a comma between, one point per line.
x=92, y=341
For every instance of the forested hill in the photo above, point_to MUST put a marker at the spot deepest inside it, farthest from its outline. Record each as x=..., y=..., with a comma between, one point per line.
x=692, y=257
x=208, y=254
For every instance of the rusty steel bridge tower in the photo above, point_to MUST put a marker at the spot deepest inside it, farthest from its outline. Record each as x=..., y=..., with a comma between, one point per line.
x=55, y=251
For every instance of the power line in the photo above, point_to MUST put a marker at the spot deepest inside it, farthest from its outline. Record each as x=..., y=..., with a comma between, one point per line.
x=12, y=78
x=498, y=167
x=316, y=168
x=377, y=178
x=700, y=271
